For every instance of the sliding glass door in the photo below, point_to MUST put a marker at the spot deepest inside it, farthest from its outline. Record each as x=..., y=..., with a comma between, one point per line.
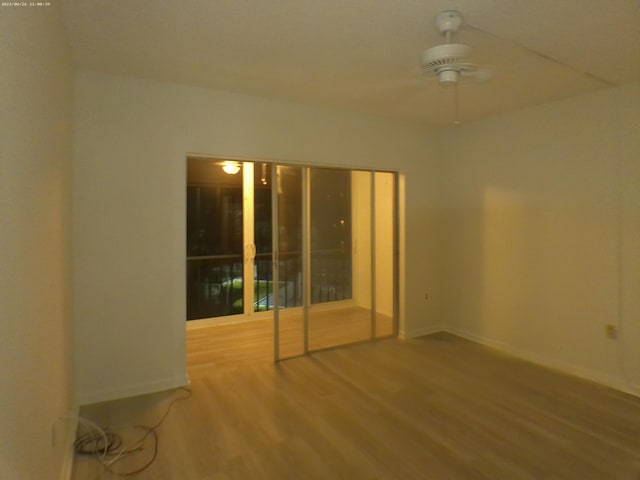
x=312, y=248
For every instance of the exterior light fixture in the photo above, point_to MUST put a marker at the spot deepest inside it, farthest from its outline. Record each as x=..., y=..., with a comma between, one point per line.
x=230, y=168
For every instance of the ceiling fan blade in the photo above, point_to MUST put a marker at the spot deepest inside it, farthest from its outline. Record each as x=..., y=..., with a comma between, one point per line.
x=480, y=75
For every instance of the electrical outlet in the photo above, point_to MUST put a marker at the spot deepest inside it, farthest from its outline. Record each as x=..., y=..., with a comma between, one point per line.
x=611, y=331
x=426, y=296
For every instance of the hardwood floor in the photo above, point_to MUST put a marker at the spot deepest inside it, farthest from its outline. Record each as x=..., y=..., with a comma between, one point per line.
x=437, y=407
x=251, y=343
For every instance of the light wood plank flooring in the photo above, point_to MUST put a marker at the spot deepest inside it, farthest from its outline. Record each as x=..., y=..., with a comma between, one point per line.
x=251, y=343
x=437, y=407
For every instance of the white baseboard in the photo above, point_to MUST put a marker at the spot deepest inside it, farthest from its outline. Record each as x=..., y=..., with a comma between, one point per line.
x=87, y=398
x=538, y=359
x=418, y=332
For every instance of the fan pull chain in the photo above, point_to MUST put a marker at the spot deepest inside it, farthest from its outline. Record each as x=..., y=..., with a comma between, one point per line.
x=456, y=108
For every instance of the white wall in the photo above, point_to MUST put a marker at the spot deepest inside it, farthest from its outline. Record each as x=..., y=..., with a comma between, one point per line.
x=541, y=215
x=35, y=155
x=131, y=138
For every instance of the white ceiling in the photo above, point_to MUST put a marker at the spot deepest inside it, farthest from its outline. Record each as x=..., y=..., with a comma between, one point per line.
x=363, y=55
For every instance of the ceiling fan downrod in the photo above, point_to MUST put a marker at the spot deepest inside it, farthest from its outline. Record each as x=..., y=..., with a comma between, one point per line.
x=448, y=22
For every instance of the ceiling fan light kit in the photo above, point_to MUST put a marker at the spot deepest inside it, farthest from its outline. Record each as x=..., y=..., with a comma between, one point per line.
x=448, y=77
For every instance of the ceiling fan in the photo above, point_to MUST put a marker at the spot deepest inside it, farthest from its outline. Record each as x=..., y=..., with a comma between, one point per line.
x=448, y=62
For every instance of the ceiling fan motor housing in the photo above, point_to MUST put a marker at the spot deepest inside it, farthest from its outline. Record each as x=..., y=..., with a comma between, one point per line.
x=444, y=61
x=443, y=55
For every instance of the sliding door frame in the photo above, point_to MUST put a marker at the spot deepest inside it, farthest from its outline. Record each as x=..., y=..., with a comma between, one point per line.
x=372, y=202
x=275, y=257
x=397, y=211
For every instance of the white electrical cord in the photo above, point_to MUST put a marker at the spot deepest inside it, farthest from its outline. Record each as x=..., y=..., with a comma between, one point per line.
x=111, y=450
x=94, y=427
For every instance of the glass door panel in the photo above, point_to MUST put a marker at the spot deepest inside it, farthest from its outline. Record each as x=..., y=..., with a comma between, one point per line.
x=333, y=318
x=262, y=225
x=384, y=241
x=289, y=235
x=214, y=240
x=361, y=208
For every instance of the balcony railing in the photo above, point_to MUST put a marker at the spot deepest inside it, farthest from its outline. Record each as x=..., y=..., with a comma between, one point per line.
x=215, y=285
